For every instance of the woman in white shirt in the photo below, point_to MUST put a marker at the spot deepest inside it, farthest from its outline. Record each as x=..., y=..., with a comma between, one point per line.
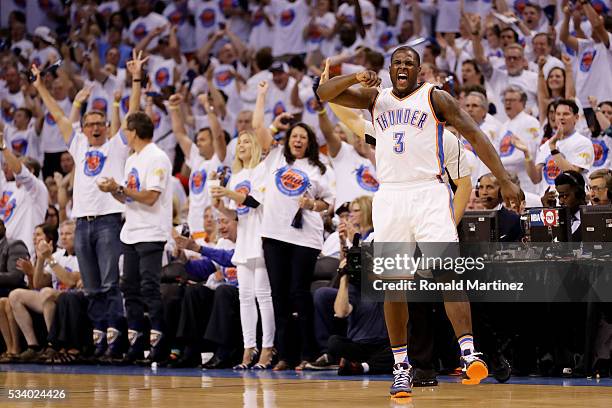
x=296, y=190
x=245, y=192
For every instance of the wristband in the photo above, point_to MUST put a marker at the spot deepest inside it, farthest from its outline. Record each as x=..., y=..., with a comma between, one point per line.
x=173, y=107
x=77, y=104
x=52, y=263
x=136, y=79
x=273, y=129
x=116, y=104
x=527, y=158
x=321, y=112
x=554, y=152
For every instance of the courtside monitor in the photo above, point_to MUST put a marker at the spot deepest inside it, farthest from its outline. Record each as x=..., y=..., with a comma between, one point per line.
x=549, y=225
x=596, y=223
x=479, y=226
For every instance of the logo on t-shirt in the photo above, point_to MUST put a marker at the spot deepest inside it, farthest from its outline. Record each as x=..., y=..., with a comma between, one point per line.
x=99, y=104
x=244, y=187
x=132, y=182
x=125, y=103
x=7, y=206
x=506, y=148
x=366, y=179
x=8, y=112
x=519, y=6
x=223, y=78
x=231, y=275
x=278, y=108
x=258, y=18
x=50, y=119
x=287, y=17
x=156, y=119
x=140, y=31
x=208, y=17
x=601, y=153
x=600, y=7
x=311, y=105
x=176, y=17
x=384, y=39
x=587, y=60
x=551, y=171
x=315, y=35
x=197, y=182
x=291, y=182
x=94, y=163
x=162, y=76
x=20, y=146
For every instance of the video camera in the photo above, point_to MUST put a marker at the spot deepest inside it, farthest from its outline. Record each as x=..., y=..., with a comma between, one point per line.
x=353, y=262
x=51, y=69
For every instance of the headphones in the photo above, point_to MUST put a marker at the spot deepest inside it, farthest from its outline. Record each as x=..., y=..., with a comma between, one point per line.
x=499, y=194
x=580, y=192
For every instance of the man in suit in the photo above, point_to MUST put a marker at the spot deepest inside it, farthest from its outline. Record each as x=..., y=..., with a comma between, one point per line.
x=570, y=188
x=488, y=192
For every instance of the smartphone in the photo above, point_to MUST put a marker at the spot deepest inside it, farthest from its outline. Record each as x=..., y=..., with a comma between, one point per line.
x=221, y=26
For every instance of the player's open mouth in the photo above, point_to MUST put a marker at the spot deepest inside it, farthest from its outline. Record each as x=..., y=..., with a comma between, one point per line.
x=402, y=79
x=96, y=135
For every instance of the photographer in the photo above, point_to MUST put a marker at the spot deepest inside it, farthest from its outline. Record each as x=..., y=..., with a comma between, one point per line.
x=365, y=349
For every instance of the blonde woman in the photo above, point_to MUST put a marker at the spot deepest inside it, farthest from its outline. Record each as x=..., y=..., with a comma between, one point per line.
x=245, y=193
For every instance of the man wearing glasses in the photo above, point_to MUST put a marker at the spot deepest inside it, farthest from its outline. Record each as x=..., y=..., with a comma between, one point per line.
x=598, y=190
x=97, y=156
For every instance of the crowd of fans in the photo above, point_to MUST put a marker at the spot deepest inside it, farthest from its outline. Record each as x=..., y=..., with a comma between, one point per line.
x=241, y=250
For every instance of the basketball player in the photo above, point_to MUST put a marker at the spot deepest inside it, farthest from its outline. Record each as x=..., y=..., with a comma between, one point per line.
x=409, y=122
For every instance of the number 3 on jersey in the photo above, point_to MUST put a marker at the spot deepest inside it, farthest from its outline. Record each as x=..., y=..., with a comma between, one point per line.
x=398, y=147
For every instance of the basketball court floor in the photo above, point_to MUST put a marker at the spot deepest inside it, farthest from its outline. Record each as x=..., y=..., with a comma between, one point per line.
x=97, y=386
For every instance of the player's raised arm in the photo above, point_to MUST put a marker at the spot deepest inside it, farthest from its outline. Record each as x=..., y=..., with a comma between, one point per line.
x=62, y=121
x=447, y=107
x=337, y=90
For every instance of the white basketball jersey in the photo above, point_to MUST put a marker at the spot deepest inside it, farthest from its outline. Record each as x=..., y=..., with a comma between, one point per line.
x=409, y=137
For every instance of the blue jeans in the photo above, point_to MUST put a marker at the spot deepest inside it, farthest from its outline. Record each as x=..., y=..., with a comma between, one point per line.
x=98, y=248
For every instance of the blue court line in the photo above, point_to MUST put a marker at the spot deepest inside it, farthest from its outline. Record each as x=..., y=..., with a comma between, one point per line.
x=268, y=374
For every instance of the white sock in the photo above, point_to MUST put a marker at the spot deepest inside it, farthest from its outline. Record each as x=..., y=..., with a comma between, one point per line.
x=366, y=367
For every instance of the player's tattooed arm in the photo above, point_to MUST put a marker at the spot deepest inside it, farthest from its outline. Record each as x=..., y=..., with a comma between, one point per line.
x=447, y=109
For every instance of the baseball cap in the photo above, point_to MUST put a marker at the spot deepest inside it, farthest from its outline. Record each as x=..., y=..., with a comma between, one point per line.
x=344, y=208
x=45, y=34
x=278, y=66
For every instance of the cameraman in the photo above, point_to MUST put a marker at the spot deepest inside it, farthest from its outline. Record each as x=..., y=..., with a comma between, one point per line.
x=366, y=348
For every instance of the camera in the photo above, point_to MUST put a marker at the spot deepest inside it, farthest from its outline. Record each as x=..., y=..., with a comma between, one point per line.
x=185, y=231
x=51, y=69
x=353, y=262
x=286, y=121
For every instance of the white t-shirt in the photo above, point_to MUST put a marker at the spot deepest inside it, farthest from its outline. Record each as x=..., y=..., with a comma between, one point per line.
x=592, y=70
x=68, y=262
x=577, y=149
x=161, y=71
x=101, y=96
x=185, y=31
x=44, y=55
x=144, y=25
x=285, y=184
x=199, y=198
x=500, y=80
x=355, y=175
x=526, y=128
x=163, y=136
x=448, y=16
x=51, y=138
x=150, y=169
x=23, y=142
x=291, y=18
x=315, y=39
x=602, y=147
x=249, y=92
x=15, y=100
x=279, y=100
x=23, y=207
x=92, y=163
x=225, y=81
x=36, y=13
x=248, y=242
x=261, y=35
x=207, y=17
